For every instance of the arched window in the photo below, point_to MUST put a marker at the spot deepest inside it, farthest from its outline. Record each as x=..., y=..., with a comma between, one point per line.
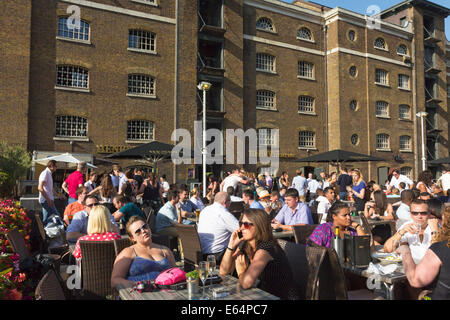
x=306, y=139
x=266, y=137
x=402, y=50
x=72, y=76
x=380, y=44
x=305, y=104
x=69, y=29
x=383, y=141
x=304, y=33
x=265, y=62
x=141, y=40
x=406, y=171
x=70, y=126
x=405, y=143
x=265, y=24
x=382, y=109
x=265, y=99
x=404, y=112
x=140, y=84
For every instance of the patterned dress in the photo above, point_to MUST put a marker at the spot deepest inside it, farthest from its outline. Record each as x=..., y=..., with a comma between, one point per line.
x=324, y=233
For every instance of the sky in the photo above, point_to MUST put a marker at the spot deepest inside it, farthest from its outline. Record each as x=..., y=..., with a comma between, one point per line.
x=361, y=6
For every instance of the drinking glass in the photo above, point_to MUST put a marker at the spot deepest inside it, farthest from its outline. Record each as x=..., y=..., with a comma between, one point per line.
x=203, y=270
x=417, y=226
x=212, y=267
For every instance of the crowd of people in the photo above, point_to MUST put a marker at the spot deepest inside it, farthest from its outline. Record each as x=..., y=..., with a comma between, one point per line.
x=108, y=206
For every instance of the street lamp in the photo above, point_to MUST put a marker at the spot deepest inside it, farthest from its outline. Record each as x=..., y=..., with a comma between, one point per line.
x=421, y=115
x=204, y=86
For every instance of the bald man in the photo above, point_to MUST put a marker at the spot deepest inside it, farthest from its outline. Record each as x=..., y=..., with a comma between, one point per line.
x=215, y=226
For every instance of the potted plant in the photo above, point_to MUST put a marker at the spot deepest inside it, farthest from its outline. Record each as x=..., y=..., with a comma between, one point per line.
x=192, y=283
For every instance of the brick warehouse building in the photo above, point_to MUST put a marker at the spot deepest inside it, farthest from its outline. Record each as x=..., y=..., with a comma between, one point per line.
x=327, y=78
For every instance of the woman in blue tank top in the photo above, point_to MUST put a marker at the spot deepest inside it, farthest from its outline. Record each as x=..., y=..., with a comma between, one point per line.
x=142, y=261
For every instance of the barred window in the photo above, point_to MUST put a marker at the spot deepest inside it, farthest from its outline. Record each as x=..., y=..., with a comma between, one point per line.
x=406, y=171
x=306, y=139
x=382, y=109
x=265, y=99
x=305, y=69
x=264, y=24
x=304, y=33
x=382, y=141
x=141, y=84
x=142, y=40
x=68, y=29
x=403, y=81
x=265, y=62
x=266, y=137
x=70, y=127
x=71, y=76
x=139, y=130
x=404, y=112
x=305, y=104
x=402, y=50
x=405, y=143
x=380, y=43
x=381, y=77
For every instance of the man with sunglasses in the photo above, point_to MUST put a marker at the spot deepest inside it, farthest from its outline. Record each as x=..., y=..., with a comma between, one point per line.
x=78, y=227
x=407, y=233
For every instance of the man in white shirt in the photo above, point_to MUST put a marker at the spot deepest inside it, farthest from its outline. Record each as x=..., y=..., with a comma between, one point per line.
x=313, y=185
x=299, y=183
x=397, y=178
x=215, y=226
x=232, y=180
x=45, y=188
x=444, y=181
x=325, y=203
x=165, y=186
x=403, y=211
x=420, y=241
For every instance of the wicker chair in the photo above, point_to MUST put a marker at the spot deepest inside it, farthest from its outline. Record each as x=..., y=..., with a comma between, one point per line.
x=96, y=268
x=190, y=241
x=236, y=208
x=121, y=244
x=49, y=288
x=302, y=233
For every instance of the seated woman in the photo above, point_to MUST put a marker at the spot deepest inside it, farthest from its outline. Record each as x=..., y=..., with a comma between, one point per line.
x=338, y=217
x=99, y=228
x=379, y=208
x=434, y=268
x=142, y=261
x=257, y=255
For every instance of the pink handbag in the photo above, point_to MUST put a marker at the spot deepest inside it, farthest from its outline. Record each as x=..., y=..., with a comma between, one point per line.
x=170, y=276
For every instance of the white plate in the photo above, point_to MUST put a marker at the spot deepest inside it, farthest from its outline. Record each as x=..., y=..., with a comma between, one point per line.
x=390, y=259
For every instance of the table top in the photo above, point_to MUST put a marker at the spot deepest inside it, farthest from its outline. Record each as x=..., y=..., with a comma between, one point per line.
x=373, y=222
x=283, y=234
x=229, y=282
x=397, y=276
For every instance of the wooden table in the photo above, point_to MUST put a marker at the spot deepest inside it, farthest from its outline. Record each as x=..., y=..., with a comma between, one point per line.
x=229, y=282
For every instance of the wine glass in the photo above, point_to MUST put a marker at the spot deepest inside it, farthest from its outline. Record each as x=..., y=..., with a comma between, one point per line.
x=212, y=266
x=417, y=226
x=203, y=270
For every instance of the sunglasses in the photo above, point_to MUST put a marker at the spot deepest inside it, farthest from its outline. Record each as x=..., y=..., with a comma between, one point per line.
x=138, y=231
x=92, y=205
x=246, y=225
x=422, y=213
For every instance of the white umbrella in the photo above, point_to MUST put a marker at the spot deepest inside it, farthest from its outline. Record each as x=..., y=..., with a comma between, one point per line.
x=65, y=157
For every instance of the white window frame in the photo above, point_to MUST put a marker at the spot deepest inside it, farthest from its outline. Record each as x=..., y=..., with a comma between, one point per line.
x=147, y=2
x=384, y=45
x=403, y=82
x=307, y=103
x=406, y=171
x=405, y=143
x=267, y=26
x=266, y=137
x=144, y=39
x=382, y=77
x=75, y=77
x=306, y=140
x=307, y=70
x=143, y=83
x=265, y=100
x=76, y=35
x=400, y=113
x=265, y=62
x=305, y=34
x=139, y=125
x=401, y=53
x=384, y=145
x=74, y=126
x=382, y=109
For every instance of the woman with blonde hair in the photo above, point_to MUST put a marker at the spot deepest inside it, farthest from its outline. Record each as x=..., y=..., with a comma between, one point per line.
x=357, y=189
x=255, y=254
x=195, y=198
x=435, y=265
x=99, y=228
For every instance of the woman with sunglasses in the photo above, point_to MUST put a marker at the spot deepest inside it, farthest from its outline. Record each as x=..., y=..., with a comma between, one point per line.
x=256, y=255
x=418, y=240
x=99, y=228
x=144, y=260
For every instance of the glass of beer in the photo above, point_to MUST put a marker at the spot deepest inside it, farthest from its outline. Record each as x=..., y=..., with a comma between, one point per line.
x=197, y=214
